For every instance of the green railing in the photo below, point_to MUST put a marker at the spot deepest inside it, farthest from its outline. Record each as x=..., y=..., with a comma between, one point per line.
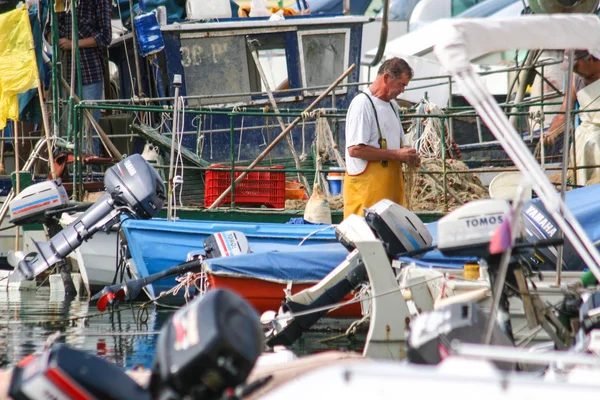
x=520, y=111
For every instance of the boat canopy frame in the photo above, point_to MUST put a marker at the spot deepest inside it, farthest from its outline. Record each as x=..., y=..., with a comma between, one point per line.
x=461, y=41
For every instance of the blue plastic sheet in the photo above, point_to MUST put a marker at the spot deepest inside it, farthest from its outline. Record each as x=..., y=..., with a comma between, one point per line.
x=307, y=264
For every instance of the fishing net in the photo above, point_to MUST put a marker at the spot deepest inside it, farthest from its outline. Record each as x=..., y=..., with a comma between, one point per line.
x=336, y=202
x=425, y=191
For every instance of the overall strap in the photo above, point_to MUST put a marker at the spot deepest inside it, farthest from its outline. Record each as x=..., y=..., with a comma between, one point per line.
x=382, y=142
x=377, y=119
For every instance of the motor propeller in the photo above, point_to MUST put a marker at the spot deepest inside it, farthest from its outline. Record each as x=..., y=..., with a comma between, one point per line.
x=130, y=290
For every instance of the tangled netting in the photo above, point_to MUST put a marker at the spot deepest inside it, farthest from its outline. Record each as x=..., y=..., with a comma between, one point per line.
x=336, y=202
x=425, y=191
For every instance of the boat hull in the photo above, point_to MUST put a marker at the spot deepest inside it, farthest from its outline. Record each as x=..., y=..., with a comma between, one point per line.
x=156, y=245
x=264, y=295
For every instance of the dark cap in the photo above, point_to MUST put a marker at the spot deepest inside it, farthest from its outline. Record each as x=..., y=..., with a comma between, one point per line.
x=577, y=55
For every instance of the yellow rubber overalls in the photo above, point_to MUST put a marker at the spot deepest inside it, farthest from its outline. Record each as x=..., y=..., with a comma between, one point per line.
x=380, y=180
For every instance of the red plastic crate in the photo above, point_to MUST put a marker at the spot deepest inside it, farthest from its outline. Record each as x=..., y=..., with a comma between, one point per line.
x=256, y=189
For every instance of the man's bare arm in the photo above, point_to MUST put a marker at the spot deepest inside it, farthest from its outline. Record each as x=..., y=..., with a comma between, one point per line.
x=557, y=125
x=370, y=153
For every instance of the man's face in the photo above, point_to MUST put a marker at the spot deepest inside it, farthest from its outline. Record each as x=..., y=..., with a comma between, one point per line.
x=396, y=86
x=585, y=67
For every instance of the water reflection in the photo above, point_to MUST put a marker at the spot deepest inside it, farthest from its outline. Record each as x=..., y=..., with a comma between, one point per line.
x=27, y=318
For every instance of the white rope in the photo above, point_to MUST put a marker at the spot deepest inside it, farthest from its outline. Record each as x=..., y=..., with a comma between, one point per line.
x=237, y=109
x=324, y=129
x=303, y=156
x=333, y=226
x=178, y=138
x=197, y=123
x=425, y=134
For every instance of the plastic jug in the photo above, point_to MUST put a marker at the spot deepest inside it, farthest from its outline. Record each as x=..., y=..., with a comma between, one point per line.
x=207, y=9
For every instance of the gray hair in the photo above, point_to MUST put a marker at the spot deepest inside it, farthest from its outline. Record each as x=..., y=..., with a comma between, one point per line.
x=396, y=67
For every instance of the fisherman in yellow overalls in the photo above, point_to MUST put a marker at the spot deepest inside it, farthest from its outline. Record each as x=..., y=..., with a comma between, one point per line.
x=374, y=136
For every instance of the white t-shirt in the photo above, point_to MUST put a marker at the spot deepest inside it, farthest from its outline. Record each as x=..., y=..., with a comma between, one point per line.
x=361, y=127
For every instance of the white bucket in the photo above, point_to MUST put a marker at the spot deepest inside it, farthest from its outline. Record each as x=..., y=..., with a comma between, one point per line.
x=207, y=9
x=505, y=185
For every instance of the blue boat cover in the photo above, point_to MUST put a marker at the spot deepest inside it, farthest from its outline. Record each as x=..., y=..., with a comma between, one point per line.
x=304, y=265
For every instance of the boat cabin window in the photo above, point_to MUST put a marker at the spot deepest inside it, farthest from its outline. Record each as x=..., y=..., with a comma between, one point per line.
x=223, y=65
x=458, y=6
x=273, y=62
x=214, y=66
x=324, y=56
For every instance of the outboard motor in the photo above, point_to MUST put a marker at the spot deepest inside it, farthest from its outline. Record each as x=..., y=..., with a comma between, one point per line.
x=400, y=230
x=132, y=187
x=539, y=225
x=62, y=372
x=468, y=230
x=32, y=203
x=220, y=244
x=208, y=346
x=432, y=333
x=226, y=244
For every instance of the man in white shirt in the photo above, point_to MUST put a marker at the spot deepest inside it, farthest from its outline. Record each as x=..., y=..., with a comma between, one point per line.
x=586, y=90
x=374, y=136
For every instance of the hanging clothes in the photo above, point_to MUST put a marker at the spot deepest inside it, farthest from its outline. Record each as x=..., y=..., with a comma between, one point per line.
x=18, y=68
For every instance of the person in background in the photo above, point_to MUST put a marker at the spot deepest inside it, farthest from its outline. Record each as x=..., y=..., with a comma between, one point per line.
x=95, y=32
x=586, y=90
x=374, y=141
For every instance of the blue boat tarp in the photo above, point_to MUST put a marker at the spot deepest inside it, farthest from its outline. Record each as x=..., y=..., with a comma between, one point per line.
x=303, y=265
x=158, y=244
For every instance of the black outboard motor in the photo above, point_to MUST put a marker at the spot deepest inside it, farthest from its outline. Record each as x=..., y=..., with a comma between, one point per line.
x=432, y=333
x=66, y=373
x=208, y=346
x=539, y=225
x=132, y=186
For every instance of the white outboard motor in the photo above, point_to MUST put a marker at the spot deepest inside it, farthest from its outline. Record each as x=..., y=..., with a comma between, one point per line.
x=401, y=232
x=132, y=186
x=30, y=205
x=469, y=229
x=226, y=244
x=399, y=229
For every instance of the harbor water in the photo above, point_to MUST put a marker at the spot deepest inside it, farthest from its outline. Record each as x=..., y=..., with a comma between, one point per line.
x=126, y=337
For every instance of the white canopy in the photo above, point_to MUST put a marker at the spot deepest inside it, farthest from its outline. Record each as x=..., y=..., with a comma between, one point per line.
x=463, y=40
